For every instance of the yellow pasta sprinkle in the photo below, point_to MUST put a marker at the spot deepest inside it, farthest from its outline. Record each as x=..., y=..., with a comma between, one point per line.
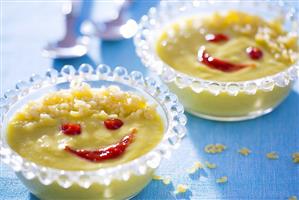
x=272, y=155
x=222, y=179
x=166, y=181
x=214, y=148
x=157, y=177
x=292, y=198
x=295, y=157
x=181, y=189
x=210, y=165
x=244, y=151
x=197, y=165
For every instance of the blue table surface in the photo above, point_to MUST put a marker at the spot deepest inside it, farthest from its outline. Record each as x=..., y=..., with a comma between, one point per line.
x=27, y=25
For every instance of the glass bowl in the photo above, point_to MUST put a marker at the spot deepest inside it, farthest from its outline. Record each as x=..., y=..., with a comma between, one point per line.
x=118, y=182
x=216, y=100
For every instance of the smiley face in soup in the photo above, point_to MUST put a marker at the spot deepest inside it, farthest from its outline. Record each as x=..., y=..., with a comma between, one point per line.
x=232, y=46
x=85, y=129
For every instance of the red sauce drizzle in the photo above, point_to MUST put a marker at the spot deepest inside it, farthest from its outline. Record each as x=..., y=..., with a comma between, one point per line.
x=113, y=124
x=218, y=64
x=109, y=152
x=254, y=53
x=220, y=37
x=71, y=129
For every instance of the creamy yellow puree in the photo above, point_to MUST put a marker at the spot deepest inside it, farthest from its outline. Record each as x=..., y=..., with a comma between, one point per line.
x=34, y=132
x=179, y=43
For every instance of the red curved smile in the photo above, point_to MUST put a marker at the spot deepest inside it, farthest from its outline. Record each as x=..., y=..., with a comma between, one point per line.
x=216, y=63
x=109, y=152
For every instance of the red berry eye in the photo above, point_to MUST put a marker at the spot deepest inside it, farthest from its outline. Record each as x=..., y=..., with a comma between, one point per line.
x=113, y=124
x=254, y=53
x=71, y=129
x=220, y=37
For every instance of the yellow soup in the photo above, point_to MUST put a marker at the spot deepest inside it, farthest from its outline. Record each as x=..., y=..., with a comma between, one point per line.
x=35, y=131
x=179, y=47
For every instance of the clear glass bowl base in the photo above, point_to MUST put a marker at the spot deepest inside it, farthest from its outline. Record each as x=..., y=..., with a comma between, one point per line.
x=251, y=115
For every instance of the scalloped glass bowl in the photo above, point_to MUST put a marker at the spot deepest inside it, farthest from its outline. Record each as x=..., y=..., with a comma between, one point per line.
x=118, y=182
x=224, y=101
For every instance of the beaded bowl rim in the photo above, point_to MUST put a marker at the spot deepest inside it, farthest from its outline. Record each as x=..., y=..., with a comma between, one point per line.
x=168, y=74
x=173, y=133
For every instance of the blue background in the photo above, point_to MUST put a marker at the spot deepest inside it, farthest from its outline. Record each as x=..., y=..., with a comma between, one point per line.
x=26, y=26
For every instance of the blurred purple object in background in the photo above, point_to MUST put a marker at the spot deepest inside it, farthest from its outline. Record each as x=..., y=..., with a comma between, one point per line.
x=71, y=45
x=106, y=20
x=111, y=21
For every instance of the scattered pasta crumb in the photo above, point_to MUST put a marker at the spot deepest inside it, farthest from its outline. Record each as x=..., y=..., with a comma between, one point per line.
x=214, y=148
x=244, y=151
x=210, y=165
x=157, y=177
x=197, y=165
x=292, y=198
x=272, y=155
x=295, y=157
x=181, y=189
x=222, y=179
x=166, y=181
